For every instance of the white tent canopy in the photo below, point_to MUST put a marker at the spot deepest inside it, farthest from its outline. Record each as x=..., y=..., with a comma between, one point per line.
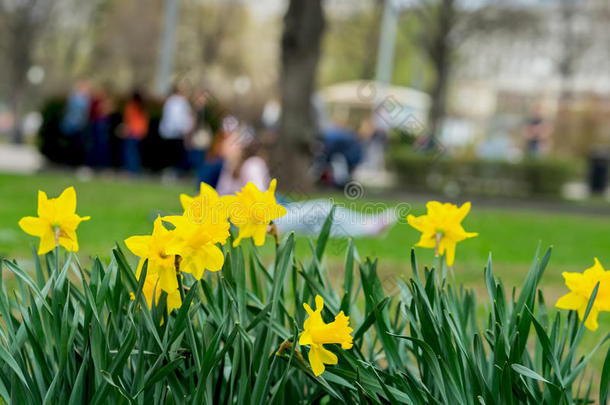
x=391, y=106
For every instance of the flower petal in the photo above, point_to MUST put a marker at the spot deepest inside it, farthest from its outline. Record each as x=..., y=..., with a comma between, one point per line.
x=259, y=235
x=66, y=202
x=571, y=301
x=450, y=254
x=47, y=243
x=591, y=322
x=35, y=226
x=307, y=308
x=68, y=240
x=214, y=258
x=317, y=366
x=186, y=201
x=138, y=245
x=326, y=356
x=174, y=301
x=44, y=207
x=574, y=281
x=426, y=241
x=319, y=303
x=305, y=338
x=167, y=279
x=462, y=211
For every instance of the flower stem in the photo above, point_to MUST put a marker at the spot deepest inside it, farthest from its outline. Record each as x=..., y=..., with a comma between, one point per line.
x=191, y=334
x=444, y=267
x=57, y=270
x=56, y=229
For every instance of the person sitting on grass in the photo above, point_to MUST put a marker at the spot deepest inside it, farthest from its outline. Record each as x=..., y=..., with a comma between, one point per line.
x=246, y=161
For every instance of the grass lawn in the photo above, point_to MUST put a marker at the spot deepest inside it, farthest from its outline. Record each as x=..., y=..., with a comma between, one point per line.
x=121, y=208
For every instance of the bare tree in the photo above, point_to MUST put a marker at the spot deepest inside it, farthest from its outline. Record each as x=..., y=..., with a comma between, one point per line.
x=441, y=18
x=125, y=42
x=575, y=44
x=446, y=24
x=300, y=52
x=21, y=22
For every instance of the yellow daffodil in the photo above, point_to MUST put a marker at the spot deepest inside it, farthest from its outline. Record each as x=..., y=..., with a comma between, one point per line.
x=153, y=248
x=56, y=222
x=317, y=333
x=581, y=286
x=152, y=289
x=196, y=242
x=252, y=212
x=441, y=228
x=205, y=203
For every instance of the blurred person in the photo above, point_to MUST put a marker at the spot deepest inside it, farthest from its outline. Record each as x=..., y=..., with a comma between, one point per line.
x=97, y=142
x=203, y=146
x=341, y=151
x=176, y=123
x=199, y=139
x=75, y=120
x=213, y=161
x=246, y=161
x=537, y=132
x=135, y=120
x=372, y=167
x=374, y=141
x=271, y=114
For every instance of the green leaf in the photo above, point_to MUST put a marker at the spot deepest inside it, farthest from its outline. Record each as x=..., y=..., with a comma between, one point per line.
x=605, y=380
x=528, y=373
x=10, y=361
x=324, y=234
x=26, y=279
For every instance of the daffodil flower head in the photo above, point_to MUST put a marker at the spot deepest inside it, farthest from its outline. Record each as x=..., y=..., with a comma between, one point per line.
x=197, y=243
x=317, y=333
x=581, y=287
x=253, y=210
x=56, y=222
x=441, y=228
x=160, y=263
x=206, y=203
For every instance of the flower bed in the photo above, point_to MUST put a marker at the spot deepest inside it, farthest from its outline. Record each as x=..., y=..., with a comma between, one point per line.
x=201, y=319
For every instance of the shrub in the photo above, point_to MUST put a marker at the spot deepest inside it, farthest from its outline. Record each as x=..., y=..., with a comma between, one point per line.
x=469, y=176
x=71, y=335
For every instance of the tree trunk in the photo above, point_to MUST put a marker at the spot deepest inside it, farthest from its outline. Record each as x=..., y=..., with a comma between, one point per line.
x=22, y=33
x=438, y=107
x=440, y=54
x=21, y=61
x=300, y=52
x=16, y=103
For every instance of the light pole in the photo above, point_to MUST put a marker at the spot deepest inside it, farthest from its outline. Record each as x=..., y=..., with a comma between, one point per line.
x=387, y=42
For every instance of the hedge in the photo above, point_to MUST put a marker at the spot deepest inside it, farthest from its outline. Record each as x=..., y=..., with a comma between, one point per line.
x=471, y=176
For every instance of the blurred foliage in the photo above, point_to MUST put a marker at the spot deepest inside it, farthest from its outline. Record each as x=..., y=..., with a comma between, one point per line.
x=582, y=126
x=351, y=44
x=470, y=176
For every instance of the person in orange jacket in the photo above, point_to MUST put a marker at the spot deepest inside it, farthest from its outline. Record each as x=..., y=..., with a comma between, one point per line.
x=135, y=120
